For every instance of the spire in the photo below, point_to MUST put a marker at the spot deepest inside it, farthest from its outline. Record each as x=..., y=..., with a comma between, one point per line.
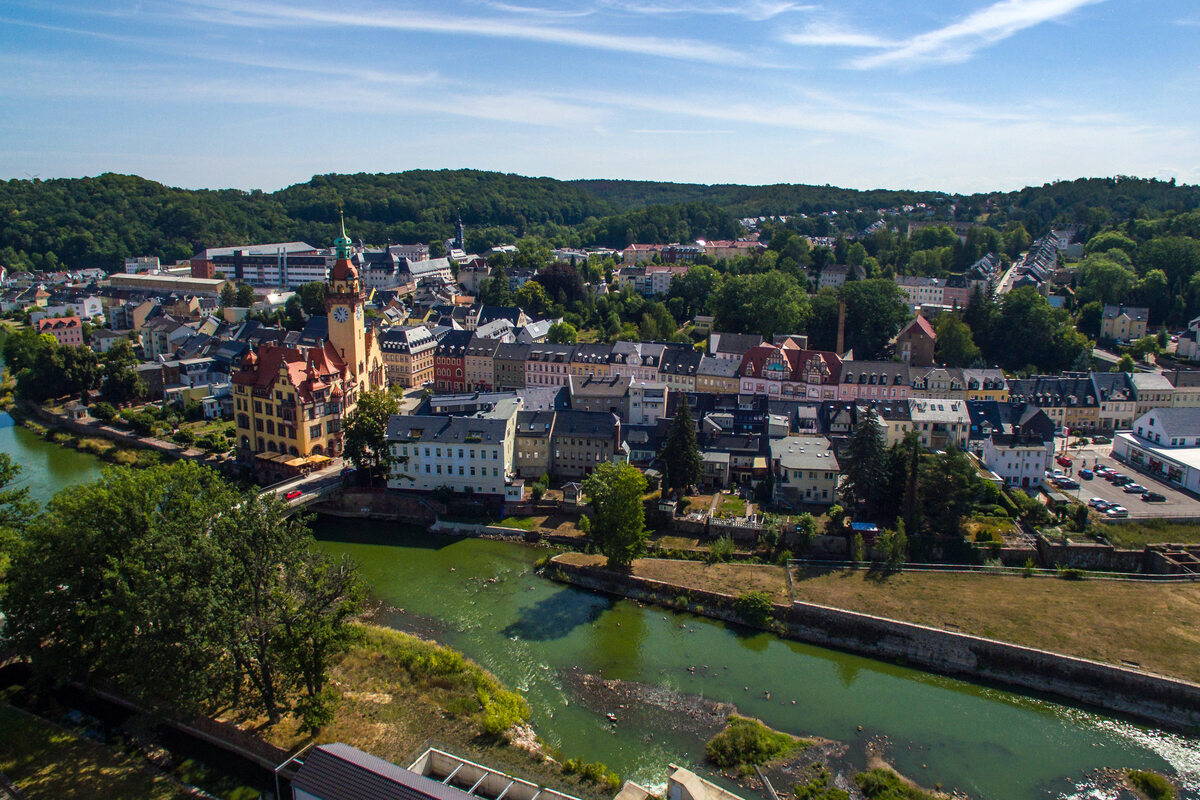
x=343, y=243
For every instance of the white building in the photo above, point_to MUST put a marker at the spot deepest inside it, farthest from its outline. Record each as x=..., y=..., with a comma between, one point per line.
x=940, y=423
x=469, y=455
x=647, y=402
x=142, y=264
x=1164, y=442
x=806, y=470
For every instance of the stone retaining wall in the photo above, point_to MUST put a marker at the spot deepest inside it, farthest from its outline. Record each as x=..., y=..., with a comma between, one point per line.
x=1160, y=700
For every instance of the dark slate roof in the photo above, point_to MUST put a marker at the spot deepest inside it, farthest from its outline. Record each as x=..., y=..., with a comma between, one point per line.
x=341, y=772
x=584, y=423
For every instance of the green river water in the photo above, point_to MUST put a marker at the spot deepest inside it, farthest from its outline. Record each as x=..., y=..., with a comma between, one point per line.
x=482, y=597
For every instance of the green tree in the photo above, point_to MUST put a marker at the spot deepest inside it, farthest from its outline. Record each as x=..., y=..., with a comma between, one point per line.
x=121, y=383
x=955, y=345
x=618, y=522
x=16, y=509
x=291, y=605
x=122, y=580
x=532, y=253
x=1090, y=317
x=532, y=298
x=366, y=433
x=245, y=296
x=875, y=311
x=863, y=466
x=228, y=295
x=312, y=298
x=681, y=454
x=563, y=333
x=767, y=303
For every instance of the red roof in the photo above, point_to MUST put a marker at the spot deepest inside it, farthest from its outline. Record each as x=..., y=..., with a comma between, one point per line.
x=308, y=369
x=343, y=270
x=922, y=325
x=795, y=358
x=46, y=323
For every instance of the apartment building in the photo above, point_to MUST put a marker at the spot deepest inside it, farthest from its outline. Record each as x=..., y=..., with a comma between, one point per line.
x=466, y=454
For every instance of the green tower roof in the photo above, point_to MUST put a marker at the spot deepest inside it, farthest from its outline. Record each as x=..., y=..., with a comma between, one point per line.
x=343, y=244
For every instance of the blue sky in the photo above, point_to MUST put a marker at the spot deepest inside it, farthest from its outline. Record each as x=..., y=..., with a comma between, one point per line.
x=959, y=96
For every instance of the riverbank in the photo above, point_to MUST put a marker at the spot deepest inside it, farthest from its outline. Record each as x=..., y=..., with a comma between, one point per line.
x=1161, y=700
x=400, y=694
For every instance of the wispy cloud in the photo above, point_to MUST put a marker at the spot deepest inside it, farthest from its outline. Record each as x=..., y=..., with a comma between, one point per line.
x=952, y=43
x=755, y=10
x=828, y=34
x=274, y=15
x=676, y=132
x=960, y=40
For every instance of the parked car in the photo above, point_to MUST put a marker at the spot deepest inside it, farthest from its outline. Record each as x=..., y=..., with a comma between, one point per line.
x=1096, y=502
x=1068, y=483
x=293, y=494
x=1101, y=440
x=1135, y=488
x=1117, y=512
x=1121, y=480
x=1063, y=461
x=1086, y=474
x=1153, y=497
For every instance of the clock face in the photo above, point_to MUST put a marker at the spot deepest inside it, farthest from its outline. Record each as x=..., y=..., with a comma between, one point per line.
x=341, y=313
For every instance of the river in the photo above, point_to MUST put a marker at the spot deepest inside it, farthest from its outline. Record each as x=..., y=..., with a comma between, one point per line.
x=530, y=632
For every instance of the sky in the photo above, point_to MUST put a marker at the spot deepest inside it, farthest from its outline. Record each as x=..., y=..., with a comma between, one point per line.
x=965, y=96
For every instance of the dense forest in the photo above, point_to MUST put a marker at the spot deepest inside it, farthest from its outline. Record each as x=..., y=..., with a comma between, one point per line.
x=88, y=222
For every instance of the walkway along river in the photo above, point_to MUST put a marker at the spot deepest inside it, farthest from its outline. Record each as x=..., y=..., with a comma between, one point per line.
x=531, y=632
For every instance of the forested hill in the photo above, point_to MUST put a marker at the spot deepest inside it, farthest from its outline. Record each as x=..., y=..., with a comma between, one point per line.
x=752, y=201
x=85, y=222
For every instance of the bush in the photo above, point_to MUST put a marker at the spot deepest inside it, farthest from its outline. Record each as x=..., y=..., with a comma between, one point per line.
x=502, y=710
x=748, y=741
x=754, y=608
x=783, y=558
x=595, y=771
x=103, y=411
x=818, y=786
x=1151, y=784
x=184, y=436
x=883, y=784
x=1071, y=574
x=720, y=550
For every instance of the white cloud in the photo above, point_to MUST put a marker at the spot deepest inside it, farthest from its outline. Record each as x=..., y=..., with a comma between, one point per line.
x=958, y=41
x=826, y=34
x=755, y=10
x=274, y=15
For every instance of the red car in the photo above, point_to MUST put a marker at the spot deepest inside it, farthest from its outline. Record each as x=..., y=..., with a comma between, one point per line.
x=1063, y=461
x=293, y=494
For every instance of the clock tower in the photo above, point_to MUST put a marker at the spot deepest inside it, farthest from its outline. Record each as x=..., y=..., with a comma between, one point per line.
x=344, y=303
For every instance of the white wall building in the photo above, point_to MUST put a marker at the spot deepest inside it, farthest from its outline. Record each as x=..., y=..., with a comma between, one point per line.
x=470, y=455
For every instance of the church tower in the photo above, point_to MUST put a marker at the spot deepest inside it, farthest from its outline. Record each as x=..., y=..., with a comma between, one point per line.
x=344, y=303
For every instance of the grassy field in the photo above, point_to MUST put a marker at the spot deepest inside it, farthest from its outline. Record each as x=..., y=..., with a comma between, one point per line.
x=1154, y=625
x=524, y=523
x=400, y=692
x=732, y=579
x=1139, y=534
x=48, y=763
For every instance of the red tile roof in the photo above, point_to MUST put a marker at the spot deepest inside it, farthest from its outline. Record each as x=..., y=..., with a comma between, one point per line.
x=307, y=370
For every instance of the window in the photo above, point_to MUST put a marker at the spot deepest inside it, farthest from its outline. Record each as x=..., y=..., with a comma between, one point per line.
x=314, y=432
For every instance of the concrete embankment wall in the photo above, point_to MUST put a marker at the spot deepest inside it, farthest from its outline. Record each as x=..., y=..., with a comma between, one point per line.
x=1163, y=701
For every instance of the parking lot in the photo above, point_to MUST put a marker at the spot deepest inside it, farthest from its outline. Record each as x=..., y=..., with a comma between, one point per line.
x=1178, y=504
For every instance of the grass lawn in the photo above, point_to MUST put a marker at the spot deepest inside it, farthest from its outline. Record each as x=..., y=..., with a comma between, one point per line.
x=732, y=579
x=400, y=692
x=524, y=523
x=677, y=542
x=49, y=763
x=1137, y=535
x=731, y=506
x=1154, y=625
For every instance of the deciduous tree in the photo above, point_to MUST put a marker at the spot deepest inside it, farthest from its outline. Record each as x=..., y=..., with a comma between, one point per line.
x=618, y=522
